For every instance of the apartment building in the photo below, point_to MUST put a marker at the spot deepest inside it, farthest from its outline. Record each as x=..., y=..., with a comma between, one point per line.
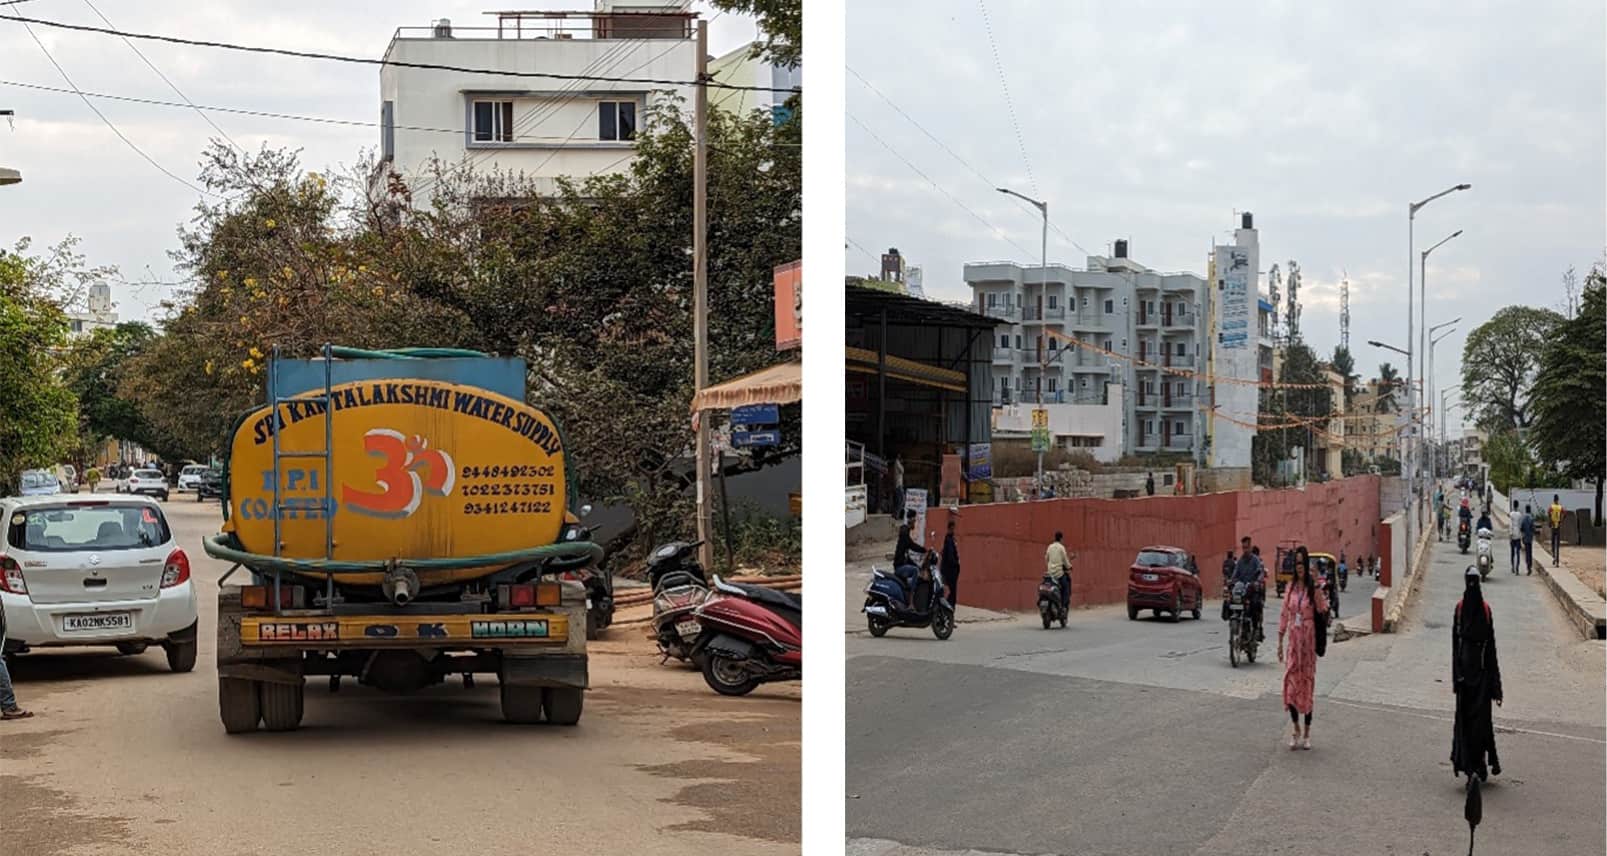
x=774, y=84
x=101, y=315
x=1132, y=323
x=541, y=127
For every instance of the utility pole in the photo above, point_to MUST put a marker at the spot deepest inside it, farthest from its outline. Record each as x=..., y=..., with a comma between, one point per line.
x=700, y=284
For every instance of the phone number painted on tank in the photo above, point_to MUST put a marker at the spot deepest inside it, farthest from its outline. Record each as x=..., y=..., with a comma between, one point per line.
x=508, y=471
x=514, y=489
x=507, y=508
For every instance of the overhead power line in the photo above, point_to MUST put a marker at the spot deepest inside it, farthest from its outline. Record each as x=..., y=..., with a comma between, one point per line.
x=395, y=63
x=998, y=65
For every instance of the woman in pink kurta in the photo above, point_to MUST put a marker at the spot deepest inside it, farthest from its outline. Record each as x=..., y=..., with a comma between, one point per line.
x=1303, y=602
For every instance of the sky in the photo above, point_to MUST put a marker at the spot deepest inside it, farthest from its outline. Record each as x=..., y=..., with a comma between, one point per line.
x=1157, y=121
x=79, y=179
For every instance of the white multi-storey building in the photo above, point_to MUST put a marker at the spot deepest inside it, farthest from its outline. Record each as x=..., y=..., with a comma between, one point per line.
x=542, y=127
x=101, y=314
x=1138, y=322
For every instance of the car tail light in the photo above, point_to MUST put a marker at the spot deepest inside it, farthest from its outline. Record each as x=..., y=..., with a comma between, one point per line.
x=11, y=576
x=176, y=569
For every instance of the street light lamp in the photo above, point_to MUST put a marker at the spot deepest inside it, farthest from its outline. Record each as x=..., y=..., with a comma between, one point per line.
x=1043, y=329
x=1411, y=250
x=1377, y=344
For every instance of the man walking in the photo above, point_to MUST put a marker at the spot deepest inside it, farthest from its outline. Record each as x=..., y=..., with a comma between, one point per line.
x=1515, y=535
x=1058, y=565
x=8, y=698
x=951, y=563
x=1527, y=528
x=1554, y=516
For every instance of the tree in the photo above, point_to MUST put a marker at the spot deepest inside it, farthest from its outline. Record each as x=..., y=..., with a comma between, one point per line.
x=1569, y=430
x=1499, y=364
x=781, y=24
x=95, y=366
x=1345, y=365
x=1388, y=380
x=38, y=416
x=1309, y=407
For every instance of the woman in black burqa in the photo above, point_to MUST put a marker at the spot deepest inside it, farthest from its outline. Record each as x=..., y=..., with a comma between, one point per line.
x=1476, y=678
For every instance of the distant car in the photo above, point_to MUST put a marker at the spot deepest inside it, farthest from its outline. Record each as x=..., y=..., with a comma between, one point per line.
x=38, y=483
x=148, y=483
x=67, y=474
x=98, y=571
x=190, y=477
x=210, y=485
x=1165, y=580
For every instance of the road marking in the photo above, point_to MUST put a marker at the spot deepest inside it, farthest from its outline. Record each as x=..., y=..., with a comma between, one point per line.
x=1504, y=729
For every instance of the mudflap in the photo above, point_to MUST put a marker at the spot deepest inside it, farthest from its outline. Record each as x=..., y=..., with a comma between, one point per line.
x=545, y=670
x=728, y=646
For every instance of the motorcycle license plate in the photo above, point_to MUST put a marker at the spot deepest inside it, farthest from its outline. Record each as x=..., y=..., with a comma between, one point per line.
x=1149, y=578
x=1237, y=607
x=688, y=629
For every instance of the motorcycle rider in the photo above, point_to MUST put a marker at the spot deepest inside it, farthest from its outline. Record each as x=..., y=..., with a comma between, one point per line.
x=905, y=555
x=1058, y=566
x=1484, y=521
x=1253, y=573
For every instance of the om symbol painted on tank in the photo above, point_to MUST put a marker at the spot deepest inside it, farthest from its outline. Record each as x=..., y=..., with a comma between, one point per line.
x=411, y=470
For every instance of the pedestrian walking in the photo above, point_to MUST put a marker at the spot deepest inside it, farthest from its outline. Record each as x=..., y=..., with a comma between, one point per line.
x=898, y=485
x=8, y=697
x=1527, y=527
x=1301, y=607
x=951, y=563
x=1149, y=484
x=1515, y=535
x=1476, y=680
x=1554, y=516
x=1057, y=564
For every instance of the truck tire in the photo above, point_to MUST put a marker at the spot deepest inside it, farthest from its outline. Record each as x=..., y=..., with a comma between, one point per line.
x=181, y=655
x=281, y=705
x=563, y=704
x=521, y=705
x=238, y=706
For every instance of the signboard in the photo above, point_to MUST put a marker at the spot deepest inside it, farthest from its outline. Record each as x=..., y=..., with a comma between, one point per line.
x=756, y=414
x=1234, y=332
x=789, y=305
x=421, y=469
x=952, y=485
x=1040, y=417
x=980, y=465
x=1040, y=439
x=915, y=500
x=750, y=439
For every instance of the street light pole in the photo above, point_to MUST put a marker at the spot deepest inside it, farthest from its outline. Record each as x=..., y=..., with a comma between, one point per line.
x=1445, y=440
x=1411, y=394
x=1426, y=382
x=1432, y=341
x=1043, y=326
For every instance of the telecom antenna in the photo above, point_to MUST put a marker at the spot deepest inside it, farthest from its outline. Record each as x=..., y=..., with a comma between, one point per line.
x=1344, y=309
x=1292, y=313
x=1272, y=291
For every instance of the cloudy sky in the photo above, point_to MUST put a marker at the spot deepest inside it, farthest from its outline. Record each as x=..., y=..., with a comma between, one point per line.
x=1155, y=121
x=79, y=179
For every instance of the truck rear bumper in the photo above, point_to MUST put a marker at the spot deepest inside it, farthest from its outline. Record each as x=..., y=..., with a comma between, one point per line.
x=453, y=632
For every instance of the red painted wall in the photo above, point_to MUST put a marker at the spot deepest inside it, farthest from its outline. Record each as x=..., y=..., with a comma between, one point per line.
x=1002, y=544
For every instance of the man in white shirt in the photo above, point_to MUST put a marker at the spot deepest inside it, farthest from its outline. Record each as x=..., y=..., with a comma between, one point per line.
x=1515, y=533
x=1058, y=565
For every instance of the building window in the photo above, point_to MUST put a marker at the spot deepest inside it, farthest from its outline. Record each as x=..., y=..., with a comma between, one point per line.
x=1106, y=345
x=1018, y=341
x=1053, y=301
x=1083, y=382
x=1054, y=385
x=1004, y=341
x=1051, y=345
x=1182, y=349
x=1177, y=427
x=993, y=299
x=387, y=130
x=1071, y=304
x=493, y=121
x=1018, y=383
x=1110, y=307
x=616, y=120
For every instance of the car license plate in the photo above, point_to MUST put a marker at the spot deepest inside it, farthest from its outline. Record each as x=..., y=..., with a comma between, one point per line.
x=1149, y=578
x=102, y=621
x=688, y=628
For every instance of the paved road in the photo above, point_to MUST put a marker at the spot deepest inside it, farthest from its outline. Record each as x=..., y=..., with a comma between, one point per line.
x=1118, y=737
x=126, y=757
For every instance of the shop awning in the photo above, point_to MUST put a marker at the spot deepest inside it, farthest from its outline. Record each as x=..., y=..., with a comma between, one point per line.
x=863, y=361
x=781, y=383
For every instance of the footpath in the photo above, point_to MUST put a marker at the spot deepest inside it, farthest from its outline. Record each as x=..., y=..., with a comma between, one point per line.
x=1585, y=608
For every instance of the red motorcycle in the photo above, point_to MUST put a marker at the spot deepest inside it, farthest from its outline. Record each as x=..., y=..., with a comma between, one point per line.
x=750, y=635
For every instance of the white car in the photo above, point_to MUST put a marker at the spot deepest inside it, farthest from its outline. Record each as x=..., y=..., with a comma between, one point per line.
x=190, y=477
x=101, y=570
x=147, y=482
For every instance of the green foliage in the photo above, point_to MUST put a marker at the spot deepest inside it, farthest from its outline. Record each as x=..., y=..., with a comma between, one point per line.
x=95, y=366
x=781, y=24
x=1345, y=364
x=1569, y=430
x=1499, y=363
x=1280, y=406
x=1389, y=383
x=759, y=540
x=39, y=415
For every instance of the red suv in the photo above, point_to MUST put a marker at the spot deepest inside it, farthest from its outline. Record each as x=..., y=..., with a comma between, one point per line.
x=1164, y=579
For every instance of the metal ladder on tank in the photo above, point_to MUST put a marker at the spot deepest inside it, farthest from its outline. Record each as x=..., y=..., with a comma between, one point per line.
x=327, y=507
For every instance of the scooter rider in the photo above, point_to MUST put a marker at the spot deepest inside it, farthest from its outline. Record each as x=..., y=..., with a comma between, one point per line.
x=1253, y=573
x=1058, y=566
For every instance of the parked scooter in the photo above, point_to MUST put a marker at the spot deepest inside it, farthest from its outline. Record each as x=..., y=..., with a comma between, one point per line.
x=1463, y=531
x=1049, y=602
x=1485, y=554
x=890, y=603
x=750, y=635
x=679, y=588
x=1241, y=630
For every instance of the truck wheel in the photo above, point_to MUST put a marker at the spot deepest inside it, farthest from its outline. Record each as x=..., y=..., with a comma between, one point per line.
x=281, y=705
x=129, y=649
x=237, y=705
x=181, y=655
x=563, y=704
x=520, y=705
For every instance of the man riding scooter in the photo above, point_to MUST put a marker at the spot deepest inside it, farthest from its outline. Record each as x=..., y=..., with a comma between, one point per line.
x=1465, y=527
x=1250, y=571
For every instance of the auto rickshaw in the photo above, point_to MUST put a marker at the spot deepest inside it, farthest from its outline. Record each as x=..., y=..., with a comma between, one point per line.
x=1284, y=564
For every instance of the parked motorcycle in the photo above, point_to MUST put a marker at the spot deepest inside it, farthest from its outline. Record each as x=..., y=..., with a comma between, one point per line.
x=1049, y=602
x=1462, y=533
x=679, y=588
x=888, y=604
x=750, y=635
x=1241, y=630
x=1485, y=554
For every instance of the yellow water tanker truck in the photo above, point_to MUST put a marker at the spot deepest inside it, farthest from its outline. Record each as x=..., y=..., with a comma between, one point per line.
x=401, y=517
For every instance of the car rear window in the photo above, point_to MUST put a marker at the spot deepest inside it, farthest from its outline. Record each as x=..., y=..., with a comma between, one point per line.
x=70, y=527
x=190, y=471
x=147, y=474
x=1160, y=558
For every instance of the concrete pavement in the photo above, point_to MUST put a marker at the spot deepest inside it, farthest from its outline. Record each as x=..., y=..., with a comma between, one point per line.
x=1119, y=737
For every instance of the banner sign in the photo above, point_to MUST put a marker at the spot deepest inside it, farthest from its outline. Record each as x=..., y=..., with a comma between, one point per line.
x=952, y=486
x=751, y=415
x=1234, y=333
x=915, y=500
x=980, y=465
